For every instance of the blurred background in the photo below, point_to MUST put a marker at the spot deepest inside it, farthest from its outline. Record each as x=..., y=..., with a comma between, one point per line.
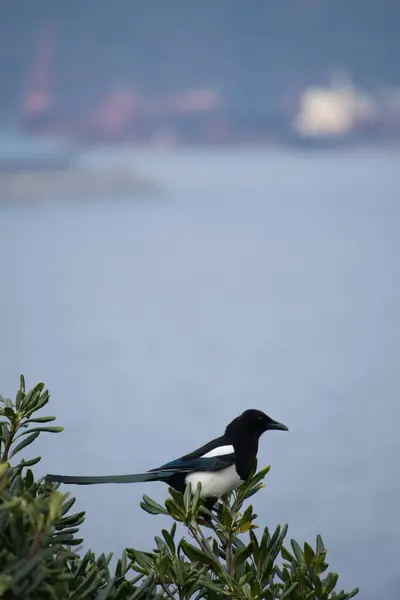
x=199, y=214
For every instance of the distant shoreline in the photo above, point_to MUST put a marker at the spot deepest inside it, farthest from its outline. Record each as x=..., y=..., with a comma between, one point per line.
x=50, y=184
x=303, y=146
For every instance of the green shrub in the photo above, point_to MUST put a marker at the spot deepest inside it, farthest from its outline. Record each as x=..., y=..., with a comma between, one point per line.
x=220, y=557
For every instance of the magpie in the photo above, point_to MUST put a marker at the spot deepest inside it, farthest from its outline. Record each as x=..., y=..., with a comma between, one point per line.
x=221, y=465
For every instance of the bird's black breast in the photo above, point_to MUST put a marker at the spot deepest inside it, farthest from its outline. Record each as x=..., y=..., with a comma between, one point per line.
x=245, y=456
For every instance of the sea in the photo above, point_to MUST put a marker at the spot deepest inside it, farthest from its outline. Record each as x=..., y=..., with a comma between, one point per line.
x=254, y=278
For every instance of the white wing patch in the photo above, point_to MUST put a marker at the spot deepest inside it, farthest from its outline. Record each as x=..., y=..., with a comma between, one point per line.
x=216, y=483
x=220, y=451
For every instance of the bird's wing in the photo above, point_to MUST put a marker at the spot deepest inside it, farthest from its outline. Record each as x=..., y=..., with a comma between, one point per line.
x=213, y=456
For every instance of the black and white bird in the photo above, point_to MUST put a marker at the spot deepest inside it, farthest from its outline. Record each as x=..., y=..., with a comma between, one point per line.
x=221, y=465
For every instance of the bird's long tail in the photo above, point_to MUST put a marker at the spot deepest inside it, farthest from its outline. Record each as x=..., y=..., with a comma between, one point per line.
x=91, y=480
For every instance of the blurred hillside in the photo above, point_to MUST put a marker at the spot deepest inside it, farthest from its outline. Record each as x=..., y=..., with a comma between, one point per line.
x=133, y=68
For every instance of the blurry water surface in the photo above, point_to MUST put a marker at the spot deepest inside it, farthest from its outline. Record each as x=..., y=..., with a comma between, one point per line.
x=258, y=280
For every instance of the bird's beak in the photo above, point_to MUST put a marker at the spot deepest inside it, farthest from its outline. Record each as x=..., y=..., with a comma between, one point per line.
x=276, y=425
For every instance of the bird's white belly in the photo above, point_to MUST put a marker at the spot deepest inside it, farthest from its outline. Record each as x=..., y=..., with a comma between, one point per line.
x=216, y=483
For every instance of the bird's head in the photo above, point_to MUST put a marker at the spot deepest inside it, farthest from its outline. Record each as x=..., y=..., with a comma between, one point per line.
x=252, y=422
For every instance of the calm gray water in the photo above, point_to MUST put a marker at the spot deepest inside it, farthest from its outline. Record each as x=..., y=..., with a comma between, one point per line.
x=259, y=280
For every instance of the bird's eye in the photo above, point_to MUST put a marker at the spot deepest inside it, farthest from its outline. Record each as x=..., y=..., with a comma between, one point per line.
x=260, y=417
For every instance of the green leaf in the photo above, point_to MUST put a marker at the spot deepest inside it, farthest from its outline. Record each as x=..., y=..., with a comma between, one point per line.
x=173, y=510
x=31, y=462
x=41, y=429
x=162, y=565
x=28, y=565
x=173, y=530
x=287, y=592
x=25, y=443
x=260, y=475
x=122, y=565
x=330, y=582
x=243, y=554
x=5, y=582
x=68, y=541
x=40, y=420
x=169, y=541
x=31, y=398
x=37, y=403
x=16, y=486
x=177, y=497
x=320, y=564
x=19, y=399
x=196, y=499
x=246, y=578
x=309, y=555
x=29, y=479
x=275, y=543
x=66, y=531
x=297, y=551
x=213, y=587
x=143, y=591
x=9, y=413
x=286, y=575
x=67, y=505
x=197, y=555
x=245, y=521
x=267, y=594
x=7, y=402
x=255, y=586
x=320, y=544
x=84, y=586
x=104, y=592
x=150, y=503
x=254, y=490
x=3, y=468
x=294, y=568
x=227, y=517
x=55, y=504
x=161, y=547
x=75, y=519
x=142, y=559
x=342, y=595
x=187, y=498
x=315, y=580
x=83, y=564
x=149, y=509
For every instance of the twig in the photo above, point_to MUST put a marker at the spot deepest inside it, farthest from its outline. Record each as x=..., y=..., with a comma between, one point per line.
x=7, y=445
x=229, y=556
x=37, y=540
x=167, y=590
x=14, y=426
x=201, y=539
